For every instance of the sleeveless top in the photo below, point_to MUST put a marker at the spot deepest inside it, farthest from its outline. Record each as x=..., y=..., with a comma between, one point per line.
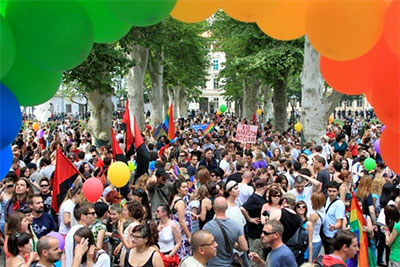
x=149, y=262
x=166, y=239
x=317, y=227
x=209, y=215
x=290, y=222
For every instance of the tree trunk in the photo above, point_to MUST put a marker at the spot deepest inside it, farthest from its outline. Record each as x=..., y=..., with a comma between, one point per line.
x=174, y=93
x=165, y=100
x=250, y=89
x=156, y=70
x=183, y=104
x=101, y=109
x=280, y=102
x=237, y=108
x=267, y=103
x=134, y=81
x=316, y=103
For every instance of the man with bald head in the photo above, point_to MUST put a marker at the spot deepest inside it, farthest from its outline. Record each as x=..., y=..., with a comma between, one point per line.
x=233, y=232
x=245, y=190
x=49, y=251
x=204, y=248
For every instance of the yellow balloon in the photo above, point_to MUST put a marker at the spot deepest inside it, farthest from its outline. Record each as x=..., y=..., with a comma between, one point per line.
x=118, y=174
x=298, y=127
x=35, y=126
x=259, y=111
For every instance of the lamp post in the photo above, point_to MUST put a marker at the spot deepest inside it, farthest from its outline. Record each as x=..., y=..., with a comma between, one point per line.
x=292, y=100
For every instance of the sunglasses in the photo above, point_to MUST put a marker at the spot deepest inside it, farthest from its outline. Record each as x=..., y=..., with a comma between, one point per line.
x=301, y=206
x=91, y=213
x=275, y=195
x=44, y=185
x=10, y=186
x=268, y=233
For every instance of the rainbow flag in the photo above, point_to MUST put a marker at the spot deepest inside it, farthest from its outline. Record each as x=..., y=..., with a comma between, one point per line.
x=357, y=221
x=169, y=126
x=210, y=127
x=177, y=171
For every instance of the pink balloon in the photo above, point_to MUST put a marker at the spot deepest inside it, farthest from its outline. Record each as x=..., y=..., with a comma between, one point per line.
x=92, y=189
x=59, y=237
x=377, y=145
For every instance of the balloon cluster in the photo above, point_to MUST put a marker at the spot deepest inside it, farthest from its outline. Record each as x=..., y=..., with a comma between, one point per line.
x=358, y=42
x=41, y=39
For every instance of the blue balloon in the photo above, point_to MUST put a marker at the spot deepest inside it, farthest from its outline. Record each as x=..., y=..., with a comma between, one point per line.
x=6, y=157
x=57, y=264
x=152, y=165
x=10, y=116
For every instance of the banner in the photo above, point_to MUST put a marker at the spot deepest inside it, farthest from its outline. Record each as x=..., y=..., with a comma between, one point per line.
x=246, y=133
x=197, y=127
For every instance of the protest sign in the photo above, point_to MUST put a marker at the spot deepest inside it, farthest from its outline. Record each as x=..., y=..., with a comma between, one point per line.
x=246, y=133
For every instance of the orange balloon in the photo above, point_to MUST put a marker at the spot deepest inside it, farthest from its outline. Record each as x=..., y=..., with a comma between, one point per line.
x=357, y=76
x=249, y=10
x=35, y=126
x=344, y=30
x=386, y=97
x=391, y=30
x=192, y=11
x=331, y=119
x=287, y=22
x=389, y=148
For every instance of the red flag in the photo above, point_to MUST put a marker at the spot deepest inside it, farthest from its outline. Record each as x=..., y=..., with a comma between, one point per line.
x=116, y=149
x=127, y=121
x=142, y=154
x=254, y=117
x=65, y=175
x=171, y=124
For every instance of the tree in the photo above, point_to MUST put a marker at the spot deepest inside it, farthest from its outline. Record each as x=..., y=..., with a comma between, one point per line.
x=256, y=62
x=94, y=78
x=318, y=101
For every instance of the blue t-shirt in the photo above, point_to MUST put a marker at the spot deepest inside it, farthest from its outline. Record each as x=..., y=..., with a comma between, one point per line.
x=43, y=225
x=281, y=256
x=336, y=211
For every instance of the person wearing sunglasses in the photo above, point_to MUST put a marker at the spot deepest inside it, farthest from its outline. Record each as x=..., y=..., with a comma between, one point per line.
x=280, y=255
x=45, y=193
x=204, y=248
x=301, y=210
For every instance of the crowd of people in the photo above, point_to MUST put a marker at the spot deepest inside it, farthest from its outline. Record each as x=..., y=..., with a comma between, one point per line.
x=208, y=200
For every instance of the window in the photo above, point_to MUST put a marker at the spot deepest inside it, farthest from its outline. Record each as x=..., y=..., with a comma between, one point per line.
x=215, y=64
x=349, y=103
x=215, y=84
x=68, y=108
x=228, y=104
x=360, y=103
x=216, y=101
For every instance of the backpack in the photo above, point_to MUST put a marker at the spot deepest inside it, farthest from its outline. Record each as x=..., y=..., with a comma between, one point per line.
x=318, y=263
x=102, y=176
x=298, y=243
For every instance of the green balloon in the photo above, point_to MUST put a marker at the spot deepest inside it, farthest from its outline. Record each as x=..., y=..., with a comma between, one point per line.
x=31, y=86
x=3, y=5
x=369, y=164
x=53, y=35
x=107, y=27
x=222, y=108
x=7, y=47
x=141, y=13
x=131, y=166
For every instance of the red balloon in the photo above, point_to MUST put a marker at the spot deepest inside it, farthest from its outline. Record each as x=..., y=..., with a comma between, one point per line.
x=357, y=76
x=92, y=189
x=389, y=148
x=391, y=29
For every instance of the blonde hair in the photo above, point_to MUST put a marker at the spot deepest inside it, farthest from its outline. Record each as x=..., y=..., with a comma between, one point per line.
x=203, y=176
x=200, y=193
x=142, y=182
x=364, y=188
x=377, y=185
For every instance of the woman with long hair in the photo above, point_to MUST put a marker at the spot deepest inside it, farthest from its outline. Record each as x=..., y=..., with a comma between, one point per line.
x=392, y=238
x=19, y=246
x=206, y=209
x=301, y=209
x=169, y=236
x=133, y=212
x=143, y=253
x=364, y=193
x=259, y=161
x=85, y=170
x=5, y=195
x=22, y=192
x=203, y=176
x=195, y=206
x=317, y=216
x=85, y=251
x=24, y=172
x=181, y=214
x=66, y=217
x=17, y=223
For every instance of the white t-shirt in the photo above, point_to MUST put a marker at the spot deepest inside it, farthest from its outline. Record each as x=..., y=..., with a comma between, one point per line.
x=69, y=245
x=245, y=191
x=225, y=166
x=66, y=206
x=305, y=196
x=190, y=262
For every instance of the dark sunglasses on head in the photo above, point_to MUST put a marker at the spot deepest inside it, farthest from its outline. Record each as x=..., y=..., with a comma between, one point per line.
x=268, y=233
